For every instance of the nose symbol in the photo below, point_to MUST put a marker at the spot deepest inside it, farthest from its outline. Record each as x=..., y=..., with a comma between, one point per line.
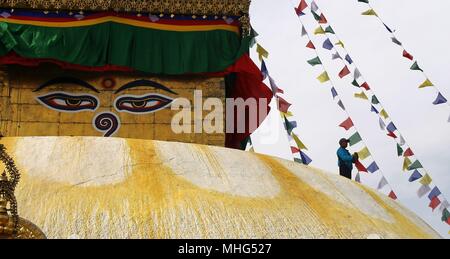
x=107, y=123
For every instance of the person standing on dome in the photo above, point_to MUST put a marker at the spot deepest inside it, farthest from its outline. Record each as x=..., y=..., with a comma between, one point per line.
x=345, y=159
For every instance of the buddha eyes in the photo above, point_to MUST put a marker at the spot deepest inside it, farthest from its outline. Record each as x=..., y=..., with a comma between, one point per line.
x=66, y=102
x=69, y=103
x=142, y=104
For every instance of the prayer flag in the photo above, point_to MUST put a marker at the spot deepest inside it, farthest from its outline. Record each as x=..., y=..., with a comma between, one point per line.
x=415, y=176
x=344, y=72
x=355, y=139
x=373, y=167
x=347, y=124
x=323, y=77
x=426, y=180
x=261, y=52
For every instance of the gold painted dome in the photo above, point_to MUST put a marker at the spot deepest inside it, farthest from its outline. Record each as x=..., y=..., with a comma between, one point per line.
x=83, y=187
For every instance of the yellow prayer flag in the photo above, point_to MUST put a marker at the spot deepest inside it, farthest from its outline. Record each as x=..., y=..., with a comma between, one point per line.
x=261, y=52
x=364, y=153
x=319, y=31
x=287, y=114
x=427, y=83
x=323, y=77
x=384, y=114
x=406, y=163
x=426, y=180
x=300, y=144
x=362, y=95
x=340, y=43
x=370, y=12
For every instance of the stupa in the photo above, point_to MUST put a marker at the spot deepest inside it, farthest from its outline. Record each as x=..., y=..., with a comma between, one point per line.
x=85, y=94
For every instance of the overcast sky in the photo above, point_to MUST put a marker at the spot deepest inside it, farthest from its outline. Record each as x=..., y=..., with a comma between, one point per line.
x=422, y=26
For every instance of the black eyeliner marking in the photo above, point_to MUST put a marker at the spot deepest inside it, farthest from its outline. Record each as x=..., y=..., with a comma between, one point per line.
x=143, y=82
x=67, y=80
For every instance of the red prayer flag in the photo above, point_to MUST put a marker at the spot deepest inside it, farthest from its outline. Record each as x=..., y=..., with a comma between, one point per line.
x=360, y=167
x=407, y=55
x=295, y=150
x=311, y=45
x=302, y=6
x=365, y=86
x=392, y=134
x=283, y=105
x=344, y=72
x=347, y=124
x=323, y=19
x=408, y=153
x=434, y=203
x=392, y=195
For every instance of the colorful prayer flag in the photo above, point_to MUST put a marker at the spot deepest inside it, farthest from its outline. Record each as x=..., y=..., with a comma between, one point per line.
x=306, y=160
x=415, y=66
x=283, y=105
x=357, y=74
x=347, y=124
x=341, y=105
x=391, y=127
x=399, y=150
x=392, y=195
x=323, y=77
x=415, y=165
x=382, y=125
x=315, y=61
x=415, y=176
x=299, y=142
x=427, y=83
x=424, y=189
x=361, y=95
x=366, y=86
x=426, y=180
x=264, y=71
x=394, y=40
x=355, y=139
x=384, y=114
x=434, y=203
x=329, y=30
x=327, y=44
x=319, y=30
x=392, y=134
x=336, y=56
x=364, y=153
x=360, y=167
x=310, y=45
x=440, y=99
x=349, y=59
x=358, y=178
x=372, y=168
x=375, y=100
x=383, y=182
x=334, y=92
x=407, y=55
x=301, y=7
x=370, y=12
x=261, y=52
x=435, y=192
x=406, y=163
x=344, y=72
x=408, y=153
x=323, y=19
x=340, y=43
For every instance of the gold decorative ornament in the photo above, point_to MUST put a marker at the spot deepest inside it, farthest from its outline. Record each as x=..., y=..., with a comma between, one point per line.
x=11, y=225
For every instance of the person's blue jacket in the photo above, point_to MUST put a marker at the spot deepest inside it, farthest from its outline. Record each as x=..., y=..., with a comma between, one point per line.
x=345, y=157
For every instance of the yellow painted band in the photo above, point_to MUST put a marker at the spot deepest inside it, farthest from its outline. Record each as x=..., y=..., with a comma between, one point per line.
x=142, y=24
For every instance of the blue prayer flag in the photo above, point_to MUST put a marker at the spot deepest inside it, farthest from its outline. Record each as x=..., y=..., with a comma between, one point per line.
x=373, y=167
x=434, y=193
x=415, y=176
x=328, y=45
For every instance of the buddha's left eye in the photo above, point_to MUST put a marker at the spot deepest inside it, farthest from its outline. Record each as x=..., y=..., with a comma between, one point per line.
x=69, y=103
x=142, y=104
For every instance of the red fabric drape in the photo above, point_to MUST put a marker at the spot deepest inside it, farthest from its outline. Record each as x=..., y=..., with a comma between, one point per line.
x=248, y=84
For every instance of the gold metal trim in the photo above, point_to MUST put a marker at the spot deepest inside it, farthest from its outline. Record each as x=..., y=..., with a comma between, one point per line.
x=188, y=7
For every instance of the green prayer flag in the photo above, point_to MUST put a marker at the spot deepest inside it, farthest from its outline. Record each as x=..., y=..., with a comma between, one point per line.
x=415, y=165
x=355, y=83
x=355, y=139
x=315, y=61
x=399, y=150
x=329, y=30
x=375, y=100
x=316, y=16
x=445, y=215
x=415, y=66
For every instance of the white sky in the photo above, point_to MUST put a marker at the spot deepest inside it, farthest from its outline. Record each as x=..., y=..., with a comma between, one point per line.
x=423, y=29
